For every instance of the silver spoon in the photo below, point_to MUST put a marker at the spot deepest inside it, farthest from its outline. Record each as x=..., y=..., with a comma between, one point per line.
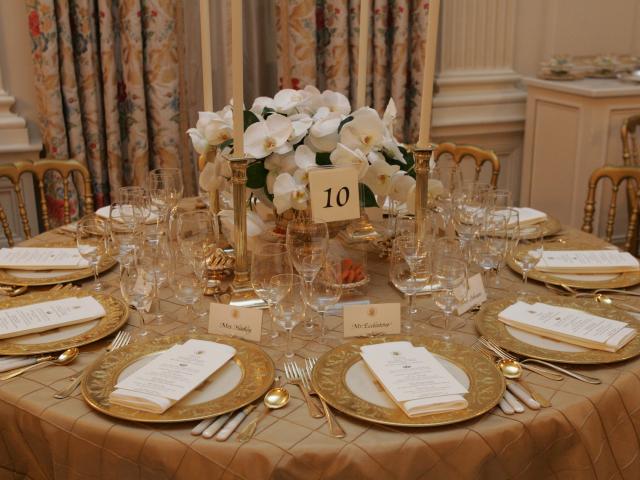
x=64, y=358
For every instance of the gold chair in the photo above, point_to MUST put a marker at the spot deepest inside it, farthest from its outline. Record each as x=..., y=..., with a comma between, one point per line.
x=67, y=170
x=479, y=155
x=631, y=158
x=617, y=175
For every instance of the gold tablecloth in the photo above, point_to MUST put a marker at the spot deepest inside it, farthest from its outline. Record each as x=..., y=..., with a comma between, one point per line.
x=592, y=431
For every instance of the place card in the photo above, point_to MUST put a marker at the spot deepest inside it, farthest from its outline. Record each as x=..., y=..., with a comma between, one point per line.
x=334, y=194
x=568, y=324
x=42, y=316
x=587, y=261
x=414, y=379
x=475, y=295
x=171, y=375
x=239, y=322
x=39, y=258
x=372, y=319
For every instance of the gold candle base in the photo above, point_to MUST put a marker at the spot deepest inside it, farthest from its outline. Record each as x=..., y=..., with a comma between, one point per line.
x=242, y=293
x=422, y=157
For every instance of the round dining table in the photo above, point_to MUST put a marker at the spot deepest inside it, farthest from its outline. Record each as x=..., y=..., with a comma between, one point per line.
x=589, y=432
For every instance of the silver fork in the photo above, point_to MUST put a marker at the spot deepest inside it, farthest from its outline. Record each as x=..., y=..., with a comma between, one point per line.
x=570, y=373
x=293, y=377
x=121, y=339
x=334, y=427
x=501, y=354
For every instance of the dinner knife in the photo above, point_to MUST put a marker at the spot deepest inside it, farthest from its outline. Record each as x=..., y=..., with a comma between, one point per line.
x=513, y=401
x=505, y=407
x=202, y=426
x=212, y=429
x=523, y=395
x=232, y=424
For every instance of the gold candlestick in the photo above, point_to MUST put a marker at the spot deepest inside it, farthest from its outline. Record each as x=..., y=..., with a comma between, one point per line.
x=242, y=293
x=422, y=157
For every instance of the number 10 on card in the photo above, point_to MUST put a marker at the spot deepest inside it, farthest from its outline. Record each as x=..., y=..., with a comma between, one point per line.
x=334, y=194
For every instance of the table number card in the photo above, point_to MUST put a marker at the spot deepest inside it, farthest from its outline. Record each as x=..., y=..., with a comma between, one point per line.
x=476, y=295
x=373, y=319
x=334, y=194
x=235, y=321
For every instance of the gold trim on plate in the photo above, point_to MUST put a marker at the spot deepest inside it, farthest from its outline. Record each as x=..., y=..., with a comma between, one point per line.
x=622, y=280
x=486, y=384
x=257, y=367
x=115, y=318
x=490, y=327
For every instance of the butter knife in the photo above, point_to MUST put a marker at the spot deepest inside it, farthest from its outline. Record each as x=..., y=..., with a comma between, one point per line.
x=523, y=395
x=232, y=424
x=513, y=401
x=216, y=425
x=202, y=426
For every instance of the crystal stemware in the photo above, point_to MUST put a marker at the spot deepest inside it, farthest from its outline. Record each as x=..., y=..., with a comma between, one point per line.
x=289, y=303
x=91, y=240
x=155, y=258
x=325, y=292
x=451, y=276
x=137, y=290
x=529, y=251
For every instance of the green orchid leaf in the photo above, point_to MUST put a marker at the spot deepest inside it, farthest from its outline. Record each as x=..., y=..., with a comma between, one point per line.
x=257, y=175
x=323, y=158
x=369, y=197
x=249, y=118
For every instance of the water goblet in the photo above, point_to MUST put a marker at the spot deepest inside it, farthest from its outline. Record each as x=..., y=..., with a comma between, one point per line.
x=450, y=274
x=289, y=303
x=136, y=289
x=91, y=240
x=528, y=252
x=325, y=292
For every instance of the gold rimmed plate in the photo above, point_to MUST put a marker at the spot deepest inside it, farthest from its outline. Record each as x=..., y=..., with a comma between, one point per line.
x=582, y=280
x=64, y=337
x=243, y=380
x=535, y=346
x=343, y=380
x=34, y=278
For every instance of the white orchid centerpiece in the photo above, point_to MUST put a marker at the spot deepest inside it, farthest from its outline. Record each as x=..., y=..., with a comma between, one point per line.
x=298, y=130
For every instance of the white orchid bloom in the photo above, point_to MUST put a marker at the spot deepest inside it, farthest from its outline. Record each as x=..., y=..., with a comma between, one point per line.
x=267, y=136
x=260, y=103
x=312, y=100
x=401, y=184
x=305, y=160
x=343, y=155
x=301, y=123
x=389, y=115
x=215, y=175
x=215, y=126
x=365, y=132
x=287, y=100
x=200, y=143
x=277, y=164
x=323, y=134
x=336, y=102
x=378, y=177
x=288, y=193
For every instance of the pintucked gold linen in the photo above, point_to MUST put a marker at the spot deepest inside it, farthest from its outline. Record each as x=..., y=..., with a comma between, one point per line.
x=592, y=431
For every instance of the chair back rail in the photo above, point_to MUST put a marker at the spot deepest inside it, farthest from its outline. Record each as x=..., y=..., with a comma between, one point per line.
x=479, y=155
x=617, y=175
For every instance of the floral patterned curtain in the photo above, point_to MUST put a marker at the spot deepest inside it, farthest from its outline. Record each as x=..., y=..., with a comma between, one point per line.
x=321, y=37
x=107, y=82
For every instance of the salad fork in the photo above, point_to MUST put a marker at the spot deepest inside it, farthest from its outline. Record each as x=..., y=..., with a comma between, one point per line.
x=334, y=427
x=294, y=377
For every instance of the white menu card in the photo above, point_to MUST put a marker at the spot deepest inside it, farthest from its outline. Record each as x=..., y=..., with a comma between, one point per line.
x=39, y=317
x=171, y=375
x=38, y=258
x=413, y=378
x=569, y=325
x=587, y=261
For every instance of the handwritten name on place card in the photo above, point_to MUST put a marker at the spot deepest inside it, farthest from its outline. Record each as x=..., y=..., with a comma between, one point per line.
x=373, y=319
x=235, y=321
x=475, y=295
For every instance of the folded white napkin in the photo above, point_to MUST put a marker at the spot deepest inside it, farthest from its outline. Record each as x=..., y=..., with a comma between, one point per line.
x=171, y=375
x=151, y=217
x=569, y=325
x=587, y=261
x=530, y=216
x=414, y=379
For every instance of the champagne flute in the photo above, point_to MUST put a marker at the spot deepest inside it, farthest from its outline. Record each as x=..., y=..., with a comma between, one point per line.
x=137, y=290
x=529, y=251
x=91, y=240
x=266, y=262
x=289, y=303
x=325, y=292
x=450, y=273
x=307, y=244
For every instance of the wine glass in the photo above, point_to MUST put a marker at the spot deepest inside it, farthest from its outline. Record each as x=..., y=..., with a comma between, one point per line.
x=325, y=292
x=289, y=303
x=450, y=274
x=266, y=262
x=138, y=198
x=155, y=258
x=511, y=234
x=307, y=244
x=91, y=239
x=500, y=198
x=450, y=176
x=488, y=246
x=165, y=190
x=468, y=215
x=122, y=232
x=137, y=290
x=408, y=280
x=188, y=285
x=529, y=251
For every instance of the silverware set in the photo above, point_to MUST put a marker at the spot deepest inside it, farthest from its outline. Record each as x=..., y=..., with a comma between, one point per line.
x=222, y=426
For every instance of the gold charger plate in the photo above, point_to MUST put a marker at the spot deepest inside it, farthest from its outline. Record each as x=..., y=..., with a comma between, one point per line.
x=78, y=335
x=620, y=280
x=490, y=327
x=486, y=384
x=32, y=280
x=256, y=367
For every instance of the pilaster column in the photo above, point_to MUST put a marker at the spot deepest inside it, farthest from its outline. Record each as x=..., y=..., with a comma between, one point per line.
x=13, y=128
